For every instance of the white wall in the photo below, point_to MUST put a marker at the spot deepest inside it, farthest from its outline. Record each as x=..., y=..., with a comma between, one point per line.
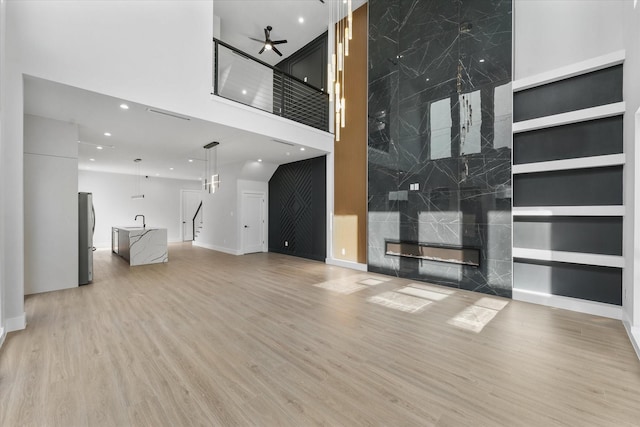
x=157, y=53
x=631, y=296
x=3, y=283
x=50, y=205
x=114, y=206
x=219, y=213
x=247, y=186
x=550, y=34
x=221, y=210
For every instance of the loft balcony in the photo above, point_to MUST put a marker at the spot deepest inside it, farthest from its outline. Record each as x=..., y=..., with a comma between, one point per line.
x=239, y=77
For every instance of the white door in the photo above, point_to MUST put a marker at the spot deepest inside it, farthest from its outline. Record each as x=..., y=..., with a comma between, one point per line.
x=253, y=213
x=190, y=201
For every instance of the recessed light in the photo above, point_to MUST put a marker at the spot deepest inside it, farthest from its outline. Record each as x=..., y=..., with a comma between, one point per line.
x=107, y=134
x=482, y=60
x=301, y=20
x=124, y=106
x=157, y=174
x=170, y=169
x=92, y=160
x=98, y=147
x=259, y=160
x=288, y=153
x=428, y=79
x=301, y=148
x=244, y=91
x=190, y=160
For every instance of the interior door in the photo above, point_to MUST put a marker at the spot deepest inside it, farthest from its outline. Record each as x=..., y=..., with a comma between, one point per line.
x=190, y=201
x=253, y=208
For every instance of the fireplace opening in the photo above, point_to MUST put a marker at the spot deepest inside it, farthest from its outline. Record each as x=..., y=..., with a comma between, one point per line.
x=449, y=254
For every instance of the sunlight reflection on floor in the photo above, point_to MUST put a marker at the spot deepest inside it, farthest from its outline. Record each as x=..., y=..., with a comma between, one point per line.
x=350, y=284
x=475, y=317
x=415, y=297
x=426, y=291
x=398, y=301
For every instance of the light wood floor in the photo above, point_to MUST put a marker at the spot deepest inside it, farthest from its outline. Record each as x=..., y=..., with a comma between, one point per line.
x=216, y=340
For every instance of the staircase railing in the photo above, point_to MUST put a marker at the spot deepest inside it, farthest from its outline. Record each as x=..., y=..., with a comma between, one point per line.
x=242, y=78
x=198, y=215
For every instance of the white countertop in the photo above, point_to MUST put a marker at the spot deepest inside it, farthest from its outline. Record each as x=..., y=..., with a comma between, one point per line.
x=138, y=228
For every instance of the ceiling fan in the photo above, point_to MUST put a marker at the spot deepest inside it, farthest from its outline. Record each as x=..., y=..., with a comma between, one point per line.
x=268, y=43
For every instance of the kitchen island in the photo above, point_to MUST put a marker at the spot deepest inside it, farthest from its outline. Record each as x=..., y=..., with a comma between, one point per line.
x=140, y=245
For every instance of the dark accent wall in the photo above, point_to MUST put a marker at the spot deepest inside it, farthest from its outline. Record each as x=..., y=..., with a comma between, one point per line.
x=309, y=61
x=304, y=100
x=582, y=139
x=297, y=209
x=583, y=187
x=439, y=138
x=583, y=91
x=593, y=283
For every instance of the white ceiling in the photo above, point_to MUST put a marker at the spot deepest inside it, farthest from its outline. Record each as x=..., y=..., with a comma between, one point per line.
x=164, y=142
x=161, y=141
x=241, y=19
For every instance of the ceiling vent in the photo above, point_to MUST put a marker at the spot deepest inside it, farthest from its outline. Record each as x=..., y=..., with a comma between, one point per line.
x=284, y=142
x=166, y=113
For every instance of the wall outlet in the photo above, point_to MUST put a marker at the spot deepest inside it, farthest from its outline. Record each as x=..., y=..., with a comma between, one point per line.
x=286, y=243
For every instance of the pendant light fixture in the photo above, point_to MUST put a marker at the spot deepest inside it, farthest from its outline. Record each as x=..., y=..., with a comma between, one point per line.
x=211, y=178
x=341, y=17
x=138, y=194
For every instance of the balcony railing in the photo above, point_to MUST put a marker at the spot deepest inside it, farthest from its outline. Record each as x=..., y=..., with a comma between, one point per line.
x=245, y=79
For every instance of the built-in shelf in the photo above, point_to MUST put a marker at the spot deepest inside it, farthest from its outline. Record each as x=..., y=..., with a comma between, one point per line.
x=617, y=210
x=568, y=303
x=577, y=69
x=586, y=114
x=569, y=257
x=566, y=164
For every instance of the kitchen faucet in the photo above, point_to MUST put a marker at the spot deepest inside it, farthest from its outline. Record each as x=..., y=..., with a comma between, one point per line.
x=144, y=224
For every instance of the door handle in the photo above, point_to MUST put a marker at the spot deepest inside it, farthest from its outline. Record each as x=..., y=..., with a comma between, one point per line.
x=246, y=226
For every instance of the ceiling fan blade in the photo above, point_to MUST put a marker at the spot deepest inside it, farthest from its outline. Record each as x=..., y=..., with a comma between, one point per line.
x=256, y=40
x=276, y=50
x=261, y=50
x=279, y=42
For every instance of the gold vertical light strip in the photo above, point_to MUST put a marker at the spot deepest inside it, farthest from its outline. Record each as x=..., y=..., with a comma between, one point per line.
x=345, y=39
x=341, y=18
x=347, y=30
x=350, y=20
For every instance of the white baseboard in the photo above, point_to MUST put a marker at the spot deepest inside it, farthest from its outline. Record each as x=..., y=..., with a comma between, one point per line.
x=217, y=248
x=16, y=323
x=573, y=304
x=633, y=332
x=346, y=264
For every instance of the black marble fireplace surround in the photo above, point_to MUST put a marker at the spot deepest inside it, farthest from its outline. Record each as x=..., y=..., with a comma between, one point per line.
x=440, y=138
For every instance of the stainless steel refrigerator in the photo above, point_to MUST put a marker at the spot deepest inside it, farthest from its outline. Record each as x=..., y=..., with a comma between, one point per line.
x=87, y=225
